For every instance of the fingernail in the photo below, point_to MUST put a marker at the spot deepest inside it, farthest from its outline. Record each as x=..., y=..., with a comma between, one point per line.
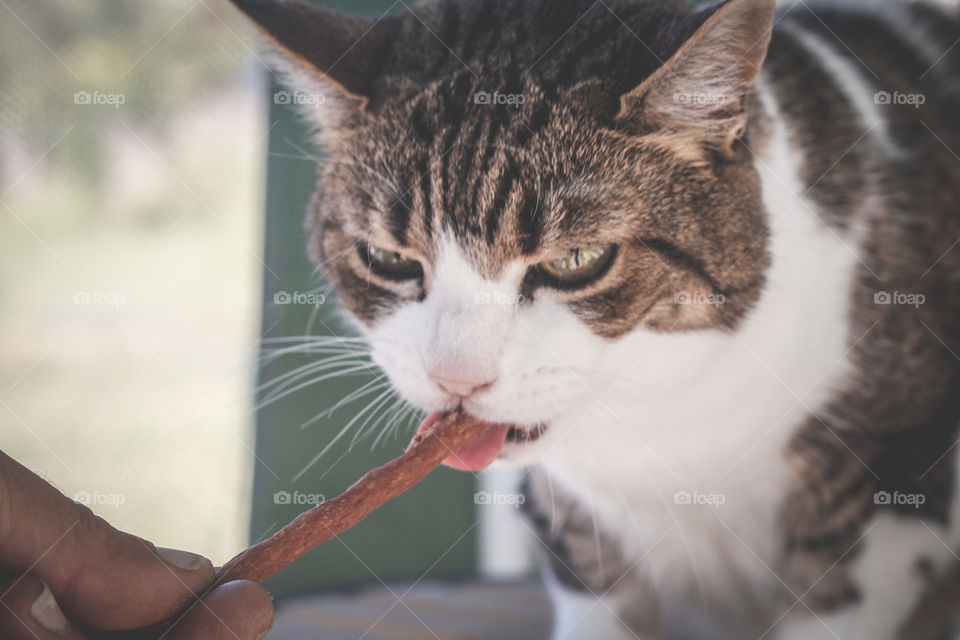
x=269, y=629
x=47, y=613
x=181, y=559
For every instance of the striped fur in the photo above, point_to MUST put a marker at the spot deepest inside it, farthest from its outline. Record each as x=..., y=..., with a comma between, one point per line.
x=816, y=197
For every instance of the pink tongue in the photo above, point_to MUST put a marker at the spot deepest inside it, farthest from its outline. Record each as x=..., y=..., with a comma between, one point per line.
x=479, y=452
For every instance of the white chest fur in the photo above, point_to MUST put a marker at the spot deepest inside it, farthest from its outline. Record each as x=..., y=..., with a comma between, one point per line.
x=680, y=448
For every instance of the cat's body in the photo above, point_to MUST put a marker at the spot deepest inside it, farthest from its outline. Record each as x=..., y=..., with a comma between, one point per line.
x=745, y=416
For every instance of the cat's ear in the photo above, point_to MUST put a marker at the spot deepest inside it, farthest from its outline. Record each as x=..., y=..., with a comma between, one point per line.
x=703, y=87
x=327, y=59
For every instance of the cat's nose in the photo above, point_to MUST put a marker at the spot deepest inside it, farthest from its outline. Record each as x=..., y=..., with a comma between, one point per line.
x=463, y=387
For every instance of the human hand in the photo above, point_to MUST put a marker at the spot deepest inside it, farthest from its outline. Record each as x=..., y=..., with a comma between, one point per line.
x=63, y=569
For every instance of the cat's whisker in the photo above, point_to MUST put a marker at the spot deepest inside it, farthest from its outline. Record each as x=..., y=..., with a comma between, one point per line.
x=353, y=421
x=279, y=382
x=343, y=431
x=384, y=401
x=411, y=416
x=387, y=419
x=329, y=339
x=376, y=384
x=361, y=369
x=314, y=346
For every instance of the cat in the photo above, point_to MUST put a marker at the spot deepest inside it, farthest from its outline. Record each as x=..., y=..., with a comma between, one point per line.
x=698, y=268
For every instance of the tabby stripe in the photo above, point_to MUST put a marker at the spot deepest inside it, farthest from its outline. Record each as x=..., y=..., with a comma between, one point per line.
x=530, y=217
x=500, y=200
x=426, y=184
x=418, y=121
x=537, y=121
x=682, y=259
x=489, y=150
x=448, y=194
x=399, y=220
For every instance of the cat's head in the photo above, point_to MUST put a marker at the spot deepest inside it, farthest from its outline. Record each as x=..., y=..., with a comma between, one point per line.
x=513, y=186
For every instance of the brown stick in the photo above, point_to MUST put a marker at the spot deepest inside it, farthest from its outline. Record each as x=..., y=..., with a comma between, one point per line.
x=333, y=517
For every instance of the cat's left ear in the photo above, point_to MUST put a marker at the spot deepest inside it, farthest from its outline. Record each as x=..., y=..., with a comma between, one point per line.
x=703, y=87
x=328, y=60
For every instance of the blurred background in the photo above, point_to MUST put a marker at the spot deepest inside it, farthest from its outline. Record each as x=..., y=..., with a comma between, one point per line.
x=132, y=156
x=159, y=315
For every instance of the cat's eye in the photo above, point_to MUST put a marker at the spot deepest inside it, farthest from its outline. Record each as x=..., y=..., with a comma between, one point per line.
x=579, y=266
x=392, y=265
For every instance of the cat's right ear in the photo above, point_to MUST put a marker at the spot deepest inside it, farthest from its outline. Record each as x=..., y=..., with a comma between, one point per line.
x=327, y=59
x=702, y=90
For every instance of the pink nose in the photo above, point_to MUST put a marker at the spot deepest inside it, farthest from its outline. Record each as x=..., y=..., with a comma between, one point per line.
x=461, y=387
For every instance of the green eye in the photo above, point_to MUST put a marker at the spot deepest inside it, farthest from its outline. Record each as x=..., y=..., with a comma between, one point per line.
x=578, y=266
x=392, y=264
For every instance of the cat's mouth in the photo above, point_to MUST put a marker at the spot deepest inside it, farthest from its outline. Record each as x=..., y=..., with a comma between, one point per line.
x=523, y=435
x=480, y=452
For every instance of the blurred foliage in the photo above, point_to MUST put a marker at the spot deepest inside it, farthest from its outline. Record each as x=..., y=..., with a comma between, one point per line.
x=161, y=56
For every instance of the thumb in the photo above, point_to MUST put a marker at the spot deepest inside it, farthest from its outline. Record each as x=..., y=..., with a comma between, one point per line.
x=102, y=578
x=28, y=611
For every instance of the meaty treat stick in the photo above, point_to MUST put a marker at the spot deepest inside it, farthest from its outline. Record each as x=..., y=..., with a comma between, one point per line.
x=331, y=518
x=335, y=516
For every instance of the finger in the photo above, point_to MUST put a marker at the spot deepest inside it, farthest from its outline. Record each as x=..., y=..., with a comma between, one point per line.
x=239, y=610
x=28, y=611
x=102, y=578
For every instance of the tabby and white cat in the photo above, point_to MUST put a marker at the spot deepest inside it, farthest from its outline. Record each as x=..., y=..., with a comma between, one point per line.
x=698, y=268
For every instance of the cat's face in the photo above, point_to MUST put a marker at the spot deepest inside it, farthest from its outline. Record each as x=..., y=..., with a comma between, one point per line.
x=493, y=249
